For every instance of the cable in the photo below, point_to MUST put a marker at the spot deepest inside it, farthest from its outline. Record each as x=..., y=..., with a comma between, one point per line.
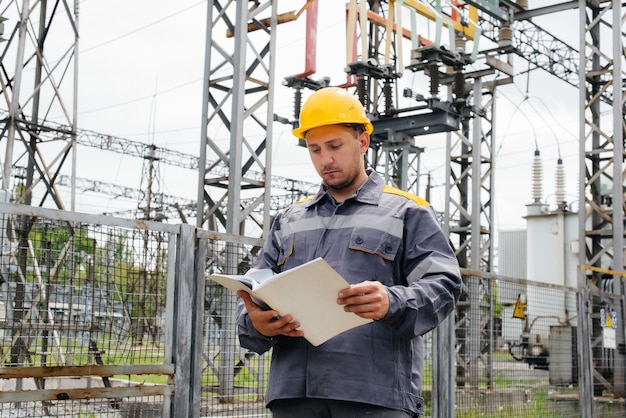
x=140, y=98
x=517, y=108
x=552, y=115
x=117, y=38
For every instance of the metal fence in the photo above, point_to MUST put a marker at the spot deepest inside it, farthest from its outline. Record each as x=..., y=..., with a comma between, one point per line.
x=522, y=359
x=84, y=309
x=103, y=317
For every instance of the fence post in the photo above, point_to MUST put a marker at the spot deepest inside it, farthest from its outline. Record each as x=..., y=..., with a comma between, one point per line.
x=195, y=396
x=228, y=339
x=443, y=358
x=185, y=322
x=585, y=355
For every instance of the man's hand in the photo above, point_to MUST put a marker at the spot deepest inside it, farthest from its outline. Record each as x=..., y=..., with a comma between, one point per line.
x=367, y=300
x=269, y=323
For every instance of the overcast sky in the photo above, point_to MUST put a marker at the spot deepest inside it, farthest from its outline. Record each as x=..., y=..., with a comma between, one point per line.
x=141, y=68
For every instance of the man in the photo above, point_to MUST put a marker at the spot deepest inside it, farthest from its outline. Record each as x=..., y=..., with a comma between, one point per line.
x=388, y=245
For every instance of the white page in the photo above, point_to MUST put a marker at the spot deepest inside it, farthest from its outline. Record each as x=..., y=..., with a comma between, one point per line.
x=309, y=293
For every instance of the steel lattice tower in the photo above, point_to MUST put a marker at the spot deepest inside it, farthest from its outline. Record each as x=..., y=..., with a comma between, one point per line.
x=602, y=187
x=238, y=94
x=41, y=87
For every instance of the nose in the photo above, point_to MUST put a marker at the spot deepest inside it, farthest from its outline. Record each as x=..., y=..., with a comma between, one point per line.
x=326, y=157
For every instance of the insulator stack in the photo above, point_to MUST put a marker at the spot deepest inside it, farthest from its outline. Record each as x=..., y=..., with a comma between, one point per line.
x=297, y=103
x=459, y=85
x=433, y=72
x=505, y=36
x=537, y=177
x=361, y=89
x=388, y=93
x=459, y=43
x=560, y=183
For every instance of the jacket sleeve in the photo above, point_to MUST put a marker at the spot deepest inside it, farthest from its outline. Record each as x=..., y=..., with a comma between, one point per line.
x=249, y=337
x=431, y=273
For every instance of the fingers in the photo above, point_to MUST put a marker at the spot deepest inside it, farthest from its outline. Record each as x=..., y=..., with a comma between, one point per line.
x=367, y=300
x=361, y=289
x=269, y=322
x=286, y=326
x=271, y=325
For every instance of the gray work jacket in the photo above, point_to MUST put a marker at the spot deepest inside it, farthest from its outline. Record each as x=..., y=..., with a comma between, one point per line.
x=383, y=234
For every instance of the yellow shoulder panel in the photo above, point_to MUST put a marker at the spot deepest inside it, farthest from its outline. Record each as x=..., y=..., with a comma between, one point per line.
x=410, y=196
x=306, y=199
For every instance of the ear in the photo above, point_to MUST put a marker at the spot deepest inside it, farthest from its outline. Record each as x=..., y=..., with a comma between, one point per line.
x=364, y=141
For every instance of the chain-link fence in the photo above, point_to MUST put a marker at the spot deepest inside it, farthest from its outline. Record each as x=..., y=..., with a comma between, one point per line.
x=522, y=355
x=102, y=317
x=517, y=351
x=233, y=379
x=82, y=316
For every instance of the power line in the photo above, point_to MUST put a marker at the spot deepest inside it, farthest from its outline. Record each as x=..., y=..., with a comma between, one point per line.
x=139, y=29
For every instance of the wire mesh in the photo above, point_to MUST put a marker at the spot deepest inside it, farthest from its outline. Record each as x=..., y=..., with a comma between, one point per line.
x=82, y=295
x=95, y=408
x=234, y=379
x=517, y=351
x=75, y=295
x=607, y=348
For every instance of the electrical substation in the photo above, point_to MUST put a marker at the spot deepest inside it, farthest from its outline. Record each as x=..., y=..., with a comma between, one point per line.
x=110, y=314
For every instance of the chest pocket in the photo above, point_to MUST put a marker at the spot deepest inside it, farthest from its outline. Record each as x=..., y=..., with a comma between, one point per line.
x=374, y=241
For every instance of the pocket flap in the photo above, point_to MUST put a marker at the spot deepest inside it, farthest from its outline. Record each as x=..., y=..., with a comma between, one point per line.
x=374, y=241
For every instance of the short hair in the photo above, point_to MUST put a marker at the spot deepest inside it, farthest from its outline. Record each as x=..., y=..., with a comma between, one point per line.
x=357, y=127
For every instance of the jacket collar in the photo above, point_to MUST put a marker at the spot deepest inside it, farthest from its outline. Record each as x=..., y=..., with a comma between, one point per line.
x=368, y=193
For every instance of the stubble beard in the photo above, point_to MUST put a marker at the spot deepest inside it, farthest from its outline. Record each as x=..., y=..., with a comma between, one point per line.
x=340, y=185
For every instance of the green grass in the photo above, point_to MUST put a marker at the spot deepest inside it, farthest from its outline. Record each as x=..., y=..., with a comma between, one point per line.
x=537, y=407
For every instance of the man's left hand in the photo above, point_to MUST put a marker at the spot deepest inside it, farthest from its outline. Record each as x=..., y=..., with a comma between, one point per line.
x=366, y=299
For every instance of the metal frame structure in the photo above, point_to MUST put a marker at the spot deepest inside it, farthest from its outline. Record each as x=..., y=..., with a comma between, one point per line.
x=238, y=93
x=43, y=83
x=601, y=211
x=53, y=81
x=469, y=215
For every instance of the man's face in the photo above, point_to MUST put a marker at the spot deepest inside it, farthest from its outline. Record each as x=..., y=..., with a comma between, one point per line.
x=337, y=154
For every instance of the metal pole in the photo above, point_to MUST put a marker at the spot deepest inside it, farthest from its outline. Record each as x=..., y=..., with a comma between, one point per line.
x=14, y=107
x=585, y=381
x=75, y=110
x=205, y=115
x=618, y=194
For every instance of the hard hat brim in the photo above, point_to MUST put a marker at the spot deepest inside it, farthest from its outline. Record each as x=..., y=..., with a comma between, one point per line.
x=301, y=132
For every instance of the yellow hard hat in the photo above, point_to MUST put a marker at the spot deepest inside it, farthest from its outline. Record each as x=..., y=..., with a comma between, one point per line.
x=331, y=106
